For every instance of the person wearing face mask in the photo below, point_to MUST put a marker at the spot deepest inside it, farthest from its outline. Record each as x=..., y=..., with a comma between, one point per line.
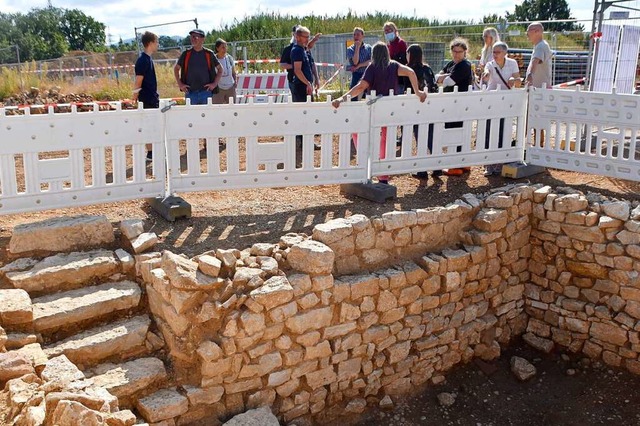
x=397, y=50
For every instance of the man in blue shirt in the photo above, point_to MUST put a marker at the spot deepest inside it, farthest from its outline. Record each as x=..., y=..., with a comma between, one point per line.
x=358, y=55
x=302, y=73
x=145, y=88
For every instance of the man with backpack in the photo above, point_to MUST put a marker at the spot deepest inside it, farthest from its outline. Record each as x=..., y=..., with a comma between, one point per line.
x=198, y=71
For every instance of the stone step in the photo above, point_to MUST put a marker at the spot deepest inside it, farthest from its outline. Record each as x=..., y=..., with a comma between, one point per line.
x=129, y=379
x=95, y=345
x=63, y=271
x=61, y=309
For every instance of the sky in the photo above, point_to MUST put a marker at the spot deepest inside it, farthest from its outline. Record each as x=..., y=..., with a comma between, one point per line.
x=121, y=17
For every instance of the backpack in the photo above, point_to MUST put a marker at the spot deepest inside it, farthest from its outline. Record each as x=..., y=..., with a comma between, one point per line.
x=426, y=79
x=208, y=54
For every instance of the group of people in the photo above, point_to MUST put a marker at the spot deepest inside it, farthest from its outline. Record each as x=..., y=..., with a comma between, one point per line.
x=387, y=68
x=394, y=66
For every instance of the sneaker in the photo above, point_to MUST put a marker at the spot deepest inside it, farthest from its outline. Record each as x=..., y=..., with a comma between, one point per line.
x=466, y=169
x=317, y=147
x=453, y=172
x=420, y=175
x=436, y=173
x=149, y=157
x=488, y=173
x=384, y=181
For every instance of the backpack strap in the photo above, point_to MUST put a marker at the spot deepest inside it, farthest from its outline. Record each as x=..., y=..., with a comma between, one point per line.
x=186, y=65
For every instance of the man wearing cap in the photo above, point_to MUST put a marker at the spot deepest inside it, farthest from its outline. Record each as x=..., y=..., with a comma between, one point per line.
x=197, y=71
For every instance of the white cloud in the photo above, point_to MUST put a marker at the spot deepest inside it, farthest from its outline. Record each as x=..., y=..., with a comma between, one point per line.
x=122, y=16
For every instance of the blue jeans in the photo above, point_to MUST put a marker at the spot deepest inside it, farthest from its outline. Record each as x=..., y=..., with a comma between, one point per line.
x=198, y=97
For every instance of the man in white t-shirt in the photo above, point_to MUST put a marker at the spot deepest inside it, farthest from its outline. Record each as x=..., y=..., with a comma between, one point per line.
x=539, y=69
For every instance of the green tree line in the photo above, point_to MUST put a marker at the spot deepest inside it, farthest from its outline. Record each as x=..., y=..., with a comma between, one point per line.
x=48, y=33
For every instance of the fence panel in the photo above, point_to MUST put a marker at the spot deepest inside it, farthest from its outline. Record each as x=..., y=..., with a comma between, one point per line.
x=448, y=130
x=78, y=158
x=587, y=132
x=213, y=147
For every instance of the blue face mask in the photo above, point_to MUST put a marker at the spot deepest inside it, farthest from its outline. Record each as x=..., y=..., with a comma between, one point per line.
x=390, y=36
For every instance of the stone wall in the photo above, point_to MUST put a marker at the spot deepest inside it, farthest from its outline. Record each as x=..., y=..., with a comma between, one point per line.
x=366, y=308
x=584, y=293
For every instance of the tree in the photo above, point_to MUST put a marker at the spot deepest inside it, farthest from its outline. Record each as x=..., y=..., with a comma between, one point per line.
x=545, y=10
x=81, y=31
x=166, y=42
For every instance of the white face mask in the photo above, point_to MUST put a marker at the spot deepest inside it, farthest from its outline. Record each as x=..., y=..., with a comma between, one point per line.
x=390, y=36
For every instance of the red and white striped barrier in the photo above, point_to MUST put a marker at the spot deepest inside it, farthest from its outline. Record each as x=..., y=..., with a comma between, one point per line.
x=277, y=61
x=266, y=82
x=570, y=83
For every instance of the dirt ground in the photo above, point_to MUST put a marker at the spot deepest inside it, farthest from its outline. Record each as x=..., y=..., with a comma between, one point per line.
x=236, y=219
x=239, y=218
x=567, y=390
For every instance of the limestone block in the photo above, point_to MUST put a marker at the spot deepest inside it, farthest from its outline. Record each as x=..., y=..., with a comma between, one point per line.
x=144, y=242
x=15, y=307
x=457, y=260
x=256, y=417
x=627, y=237
x=252, y=322
x=375, y=256
x=61, y=234
x=322, y=377
x=608, y=333
x=36, y=354
x=161, y=405
x=243, y=275
x=274, y=292
x=522, y=368
x=399, y=219
x=499, y=201
x=570, y=203
x=70, y=307
x=362, y=285
x=129, y=378
x=310, y=320
x=103, y=342
x=586, y=269
x=332, y=231
x=14, y=364
x=54, y=272
x=311, y=257
x=539, y=343
x=617, y=209
x=262, y=249
x=243, y=385
x=69, y=413
x=490, y=220
x=131, y=228
x=268, y=264
x=181, y=271
x=60, y=368
x=209, y=265
x=127, y=261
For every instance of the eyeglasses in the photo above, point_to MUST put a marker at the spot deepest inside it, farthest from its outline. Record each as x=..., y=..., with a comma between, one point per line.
x=495, y=52
x=304, y=36
x=457, y=51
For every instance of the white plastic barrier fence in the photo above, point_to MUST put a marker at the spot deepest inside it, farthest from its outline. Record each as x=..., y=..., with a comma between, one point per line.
x=264, y=145
x=78, y=158
x=450, y=130
x=587, y=132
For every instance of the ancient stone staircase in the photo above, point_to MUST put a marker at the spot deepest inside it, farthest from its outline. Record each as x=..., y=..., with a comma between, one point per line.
x=80, y=319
